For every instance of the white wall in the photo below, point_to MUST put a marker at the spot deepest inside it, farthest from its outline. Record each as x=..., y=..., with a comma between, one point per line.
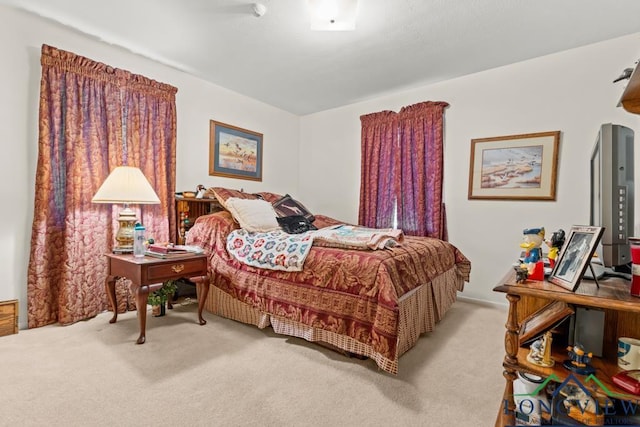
x=21, y=37
x=570, y=91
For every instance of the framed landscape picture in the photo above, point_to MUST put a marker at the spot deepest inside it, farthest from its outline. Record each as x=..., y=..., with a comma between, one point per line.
x=234, y=152
x=575, y=256
x=515, y=167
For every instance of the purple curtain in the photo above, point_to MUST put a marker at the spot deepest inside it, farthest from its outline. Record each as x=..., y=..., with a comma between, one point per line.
x=421, y=211
x=380, y=180
x=81, y=128
x=150, y=144
x=402, y=170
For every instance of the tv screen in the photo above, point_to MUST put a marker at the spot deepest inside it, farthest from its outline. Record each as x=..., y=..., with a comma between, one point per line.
x=612, y=193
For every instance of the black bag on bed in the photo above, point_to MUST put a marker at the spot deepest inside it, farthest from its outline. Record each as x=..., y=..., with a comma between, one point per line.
x=295, y=224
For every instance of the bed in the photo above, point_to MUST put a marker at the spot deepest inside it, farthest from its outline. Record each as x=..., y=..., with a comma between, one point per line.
x=371, y=303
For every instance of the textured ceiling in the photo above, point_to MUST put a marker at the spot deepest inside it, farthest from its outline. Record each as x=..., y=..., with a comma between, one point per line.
x=397, y=44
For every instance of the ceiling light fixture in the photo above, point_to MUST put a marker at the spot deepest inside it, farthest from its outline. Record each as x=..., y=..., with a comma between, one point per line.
x=259, y=9
x=333, y=15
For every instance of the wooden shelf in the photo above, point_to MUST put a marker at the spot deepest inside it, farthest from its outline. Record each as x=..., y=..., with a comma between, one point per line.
x=630, y=100
x=622, y=318
x=613, y=293
x=605, y=369
x=188, y=209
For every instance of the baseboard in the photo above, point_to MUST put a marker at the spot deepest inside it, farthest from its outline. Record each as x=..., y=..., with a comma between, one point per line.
x=486, y=303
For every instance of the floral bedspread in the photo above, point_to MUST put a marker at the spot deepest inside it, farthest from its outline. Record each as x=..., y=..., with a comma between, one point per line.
x=275, y=250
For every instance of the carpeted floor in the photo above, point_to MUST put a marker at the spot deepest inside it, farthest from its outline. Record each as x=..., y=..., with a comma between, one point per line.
x=230, y=374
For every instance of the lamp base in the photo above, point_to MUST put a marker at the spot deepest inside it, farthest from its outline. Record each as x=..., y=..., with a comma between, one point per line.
x=124, y=236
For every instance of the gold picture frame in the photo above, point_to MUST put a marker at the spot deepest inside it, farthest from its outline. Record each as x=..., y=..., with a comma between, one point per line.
x=234, y=152
x=514, y=167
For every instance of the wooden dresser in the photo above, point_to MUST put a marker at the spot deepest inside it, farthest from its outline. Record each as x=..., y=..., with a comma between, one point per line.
x=8, y=317
x=621, y=314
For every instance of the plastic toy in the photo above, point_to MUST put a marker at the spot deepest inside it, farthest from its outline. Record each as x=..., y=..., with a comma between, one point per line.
x=555, y=244
x=533, y=238
x=579, y=360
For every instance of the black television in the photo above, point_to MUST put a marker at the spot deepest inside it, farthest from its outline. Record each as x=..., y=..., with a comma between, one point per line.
x=612, y=194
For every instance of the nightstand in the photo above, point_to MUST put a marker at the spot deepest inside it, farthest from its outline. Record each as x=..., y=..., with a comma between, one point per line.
x=148, y=274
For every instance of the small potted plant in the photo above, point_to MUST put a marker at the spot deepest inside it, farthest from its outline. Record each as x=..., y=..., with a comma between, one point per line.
x=159, y=297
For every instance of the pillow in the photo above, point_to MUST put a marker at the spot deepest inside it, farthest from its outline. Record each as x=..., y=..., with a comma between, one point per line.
x=223, y=194
x=269, y=197
x=253, y=215
x=287, y=206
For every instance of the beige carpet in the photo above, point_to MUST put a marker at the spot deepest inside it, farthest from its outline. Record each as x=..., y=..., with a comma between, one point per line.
x=230, y=374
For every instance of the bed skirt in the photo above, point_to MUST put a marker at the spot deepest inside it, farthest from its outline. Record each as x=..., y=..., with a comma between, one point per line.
x=420, y=310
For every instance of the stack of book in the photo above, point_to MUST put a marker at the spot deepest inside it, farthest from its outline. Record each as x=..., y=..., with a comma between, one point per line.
x=171, y=250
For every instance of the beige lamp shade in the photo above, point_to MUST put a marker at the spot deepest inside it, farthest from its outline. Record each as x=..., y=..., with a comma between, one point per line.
x=128, y=185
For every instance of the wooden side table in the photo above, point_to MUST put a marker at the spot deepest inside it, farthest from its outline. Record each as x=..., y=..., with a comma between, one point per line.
x=148, y=274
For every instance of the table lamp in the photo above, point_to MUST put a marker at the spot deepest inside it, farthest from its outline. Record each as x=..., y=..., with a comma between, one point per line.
x=126, y=185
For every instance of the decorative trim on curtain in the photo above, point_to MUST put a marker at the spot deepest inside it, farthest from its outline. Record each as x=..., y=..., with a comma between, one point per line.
x=68, y=61
x=80, y=141
x=404, y=190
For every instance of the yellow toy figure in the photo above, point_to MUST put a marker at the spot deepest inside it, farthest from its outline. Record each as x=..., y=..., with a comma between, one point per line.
x=533, y=238
x=555, y=244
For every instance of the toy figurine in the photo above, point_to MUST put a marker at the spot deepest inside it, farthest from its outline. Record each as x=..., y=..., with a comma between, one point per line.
x=521, y=273
x=579, y=360
x=540, y=351
x=581, y=406
x=533, y=238
x=200, y=190
x=555, y=244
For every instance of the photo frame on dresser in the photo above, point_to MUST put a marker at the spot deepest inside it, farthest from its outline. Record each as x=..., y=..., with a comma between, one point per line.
x=575, y=256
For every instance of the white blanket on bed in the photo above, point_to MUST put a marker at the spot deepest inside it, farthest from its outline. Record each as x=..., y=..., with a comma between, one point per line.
x=355, y=237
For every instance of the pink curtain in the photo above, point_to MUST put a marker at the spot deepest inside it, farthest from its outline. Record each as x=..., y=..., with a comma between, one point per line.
x=379, y=166
x=150, y=111
x=402, y=170
x=81, y=128
x=421, y=211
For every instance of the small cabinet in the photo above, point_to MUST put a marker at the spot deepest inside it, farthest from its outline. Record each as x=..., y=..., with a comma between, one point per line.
x=630, y=99
x=188, y=209
x=8, y=317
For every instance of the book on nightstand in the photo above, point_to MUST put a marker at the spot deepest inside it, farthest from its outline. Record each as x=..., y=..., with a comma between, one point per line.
x=168, y=251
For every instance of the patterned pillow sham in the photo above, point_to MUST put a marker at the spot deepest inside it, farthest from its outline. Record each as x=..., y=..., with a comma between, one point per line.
x=223, y=194
x=269, y=197
x=287, y=206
